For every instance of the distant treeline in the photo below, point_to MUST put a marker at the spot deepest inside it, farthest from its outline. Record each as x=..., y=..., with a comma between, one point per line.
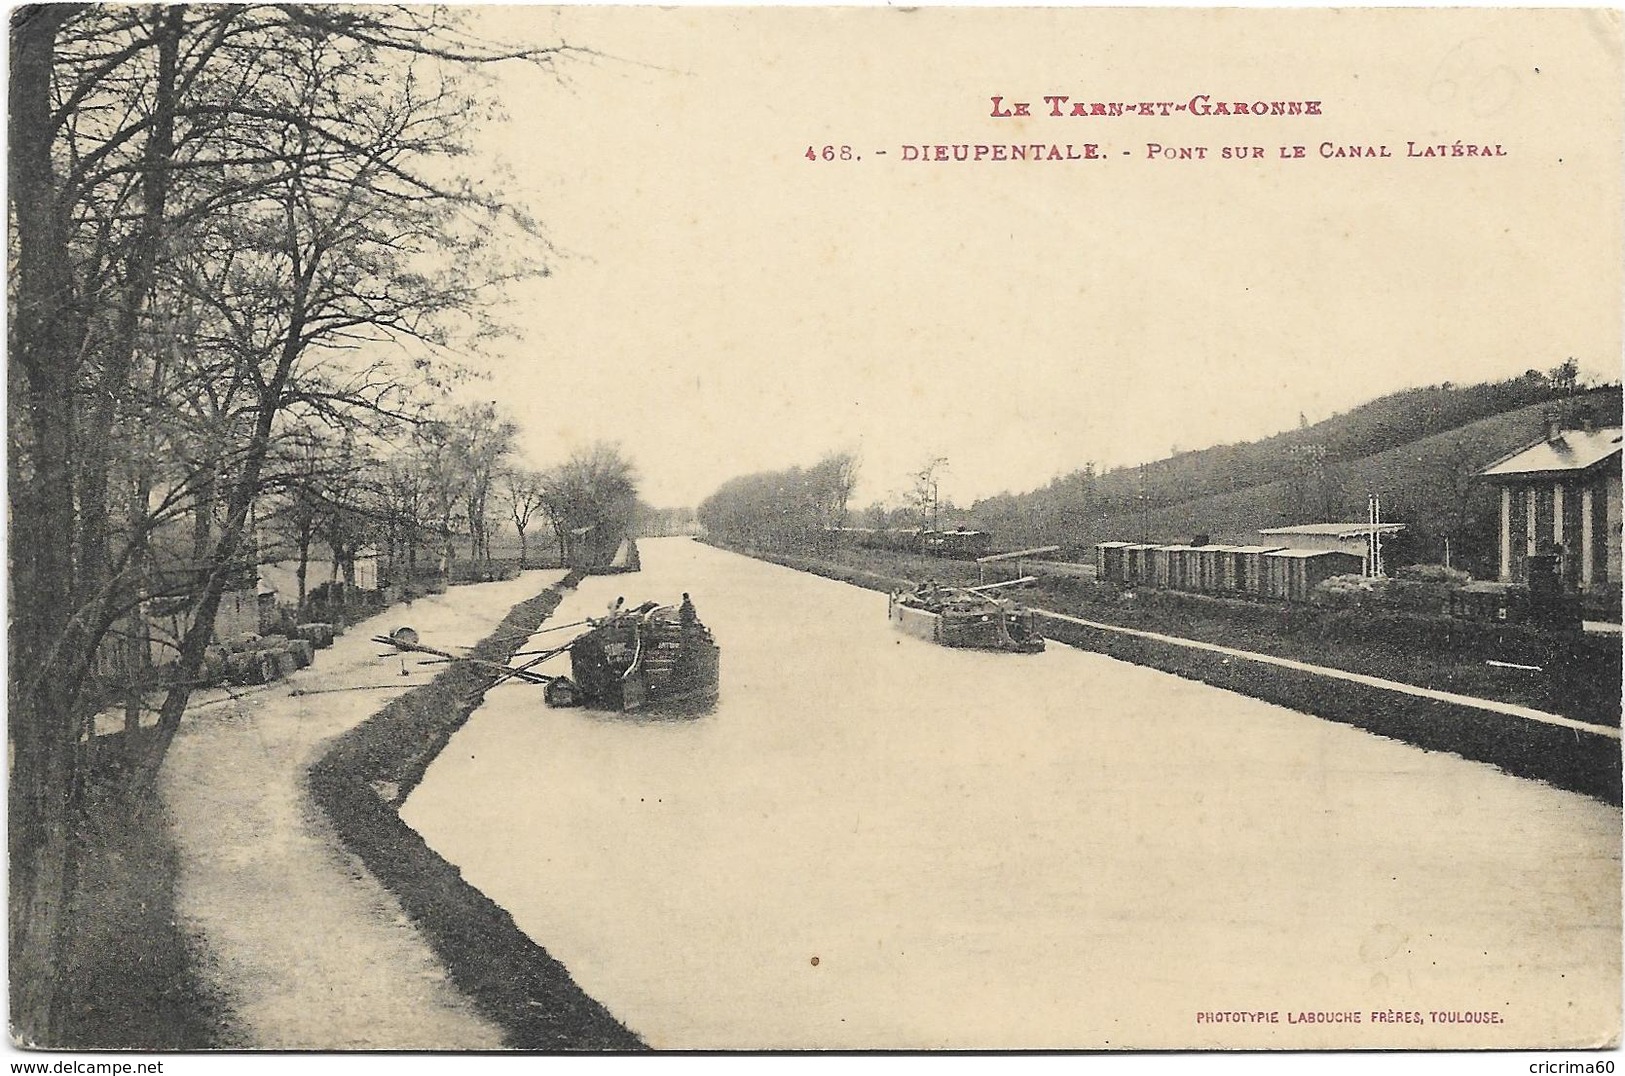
x=782, y=510
x=652, y=522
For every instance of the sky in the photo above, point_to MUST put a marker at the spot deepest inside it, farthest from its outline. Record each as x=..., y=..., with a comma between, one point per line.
x=719, y=304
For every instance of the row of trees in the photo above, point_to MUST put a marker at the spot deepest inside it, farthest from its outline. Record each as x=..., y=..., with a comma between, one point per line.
x=241, y=256
x=442, y=489
x=786, y=510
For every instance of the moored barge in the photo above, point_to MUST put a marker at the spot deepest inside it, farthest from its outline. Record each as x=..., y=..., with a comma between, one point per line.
x=651, y=657
x=968, y=617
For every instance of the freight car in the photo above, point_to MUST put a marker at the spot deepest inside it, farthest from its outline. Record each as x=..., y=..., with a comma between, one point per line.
x=1247, y=570
x=955, y=544
x=892, y=539
x=1291, y=575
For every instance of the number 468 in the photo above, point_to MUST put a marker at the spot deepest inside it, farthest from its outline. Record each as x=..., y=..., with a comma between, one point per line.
x=829, y=153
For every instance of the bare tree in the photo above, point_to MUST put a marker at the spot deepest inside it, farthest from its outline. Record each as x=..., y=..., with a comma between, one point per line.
x=482, y=440
x=522, y=492
x=434, y=454
x=926, y=493
x=300, y=513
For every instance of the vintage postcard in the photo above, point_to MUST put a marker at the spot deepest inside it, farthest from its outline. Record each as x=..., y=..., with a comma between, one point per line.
x=815, y=529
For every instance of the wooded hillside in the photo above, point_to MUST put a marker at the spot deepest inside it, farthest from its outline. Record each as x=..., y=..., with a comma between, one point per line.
x=1420, y=449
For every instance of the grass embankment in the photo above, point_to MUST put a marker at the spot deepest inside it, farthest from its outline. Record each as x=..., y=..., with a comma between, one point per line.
x=133, y=969
x=361, y=782
x=1580, y=677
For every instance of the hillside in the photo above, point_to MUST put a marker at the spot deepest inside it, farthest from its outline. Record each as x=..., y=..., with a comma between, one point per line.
x=1418, y=448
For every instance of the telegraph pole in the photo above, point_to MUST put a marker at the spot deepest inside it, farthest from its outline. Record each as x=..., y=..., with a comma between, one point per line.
x=1145, y=509
x=1374, y=517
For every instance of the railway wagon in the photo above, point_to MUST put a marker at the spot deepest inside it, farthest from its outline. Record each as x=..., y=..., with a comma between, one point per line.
x=1172, y=565
x=1190, y=564
x=1111, y=561
x=1246, y=571
x=1137, y=564
x=1158, y=561
x=1292, y=573
x=1211, y=574
x=1230, y=571
x=956, y=544
x=893, y=539
x=1210, y=569
x=898, y=540
x=959, y=544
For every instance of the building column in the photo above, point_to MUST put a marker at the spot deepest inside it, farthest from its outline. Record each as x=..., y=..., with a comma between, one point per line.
x=1557, y=513
x=1506, y=534
x=1612, y=523
x=1532, y=508
x=1587, y=567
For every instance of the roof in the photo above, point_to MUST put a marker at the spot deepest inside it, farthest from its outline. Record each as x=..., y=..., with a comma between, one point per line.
x=1306, y=554
x=1569, y=452
x=1112, y=545
x=1252, y=548
x=1336, y=530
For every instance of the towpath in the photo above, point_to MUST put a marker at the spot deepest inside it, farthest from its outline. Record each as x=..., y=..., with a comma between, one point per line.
x=308, y=949
x=1491, y=705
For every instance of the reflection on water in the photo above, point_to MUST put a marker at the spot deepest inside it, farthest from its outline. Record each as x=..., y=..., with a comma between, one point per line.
x=876, y=842
x=668, y=711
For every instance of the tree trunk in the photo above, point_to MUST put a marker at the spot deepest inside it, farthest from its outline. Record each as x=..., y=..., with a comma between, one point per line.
x=44, y=793
x=94, y=454
x=138, y=641
x=406, y=521
x=303, y=571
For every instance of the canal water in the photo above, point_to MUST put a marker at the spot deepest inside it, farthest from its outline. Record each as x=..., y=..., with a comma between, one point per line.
x=874, y=842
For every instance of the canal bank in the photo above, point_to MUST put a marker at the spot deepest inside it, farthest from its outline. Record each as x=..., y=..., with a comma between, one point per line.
x=1575, y=755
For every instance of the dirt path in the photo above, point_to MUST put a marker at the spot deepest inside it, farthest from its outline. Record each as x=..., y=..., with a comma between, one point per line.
x=309, y=949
